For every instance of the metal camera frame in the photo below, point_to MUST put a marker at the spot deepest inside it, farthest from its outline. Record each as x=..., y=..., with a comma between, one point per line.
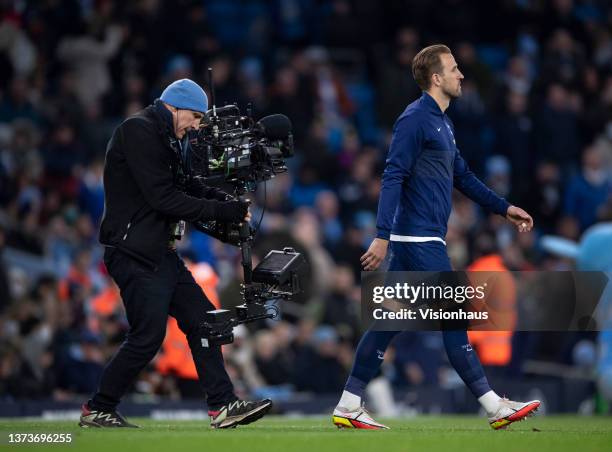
x=277, y=275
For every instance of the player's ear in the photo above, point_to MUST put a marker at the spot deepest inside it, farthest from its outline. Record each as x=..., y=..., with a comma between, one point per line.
x=435, y=79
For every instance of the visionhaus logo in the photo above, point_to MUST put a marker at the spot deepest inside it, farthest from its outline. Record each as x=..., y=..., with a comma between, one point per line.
x=430, y=294
x=493, y=301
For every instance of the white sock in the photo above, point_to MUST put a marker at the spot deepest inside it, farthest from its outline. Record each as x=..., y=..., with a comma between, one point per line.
x=349, y=401
x=490, y=402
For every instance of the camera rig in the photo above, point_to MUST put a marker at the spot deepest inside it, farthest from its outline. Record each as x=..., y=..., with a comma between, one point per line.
x=232, y=150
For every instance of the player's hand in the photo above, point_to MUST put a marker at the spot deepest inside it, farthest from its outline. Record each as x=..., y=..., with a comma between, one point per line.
x=522, y=220
x=375, y=254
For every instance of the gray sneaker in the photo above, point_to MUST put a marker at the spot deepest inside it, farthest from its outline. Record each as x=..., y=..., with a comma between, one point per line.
x=239, y=412
x=99, y=419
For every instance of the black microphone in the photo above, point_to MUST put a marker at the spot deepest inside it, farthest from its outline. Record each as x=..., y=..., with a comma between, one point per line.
x=276, y=127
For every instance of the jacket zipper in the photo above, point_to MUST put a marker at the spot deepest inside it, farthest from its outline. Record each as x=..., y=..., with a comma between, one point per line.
x=127, y=230
x=132, y=220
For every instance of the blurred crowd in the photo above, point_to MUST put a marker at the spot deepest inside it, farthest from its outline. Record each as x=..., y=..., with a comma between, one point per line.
x=534, y=122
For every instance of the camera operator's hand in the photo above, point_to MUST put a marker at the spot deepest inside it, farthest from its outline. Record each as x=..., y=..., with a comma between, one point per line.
x=233, y=211
x=220, y=195
x=201, y=191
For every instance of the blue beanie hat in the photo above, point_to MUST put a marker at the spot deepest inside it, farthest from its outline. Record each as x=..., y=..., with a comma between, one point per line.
x=185, y=94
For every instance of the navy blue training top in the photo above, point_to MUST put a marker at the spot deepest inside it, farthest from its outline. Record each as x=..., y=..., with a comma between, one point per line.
x=421, y=169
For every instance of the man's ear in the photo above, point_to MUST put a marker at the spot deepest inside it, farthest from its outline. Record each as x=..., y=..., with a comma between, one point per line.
x=435, y=79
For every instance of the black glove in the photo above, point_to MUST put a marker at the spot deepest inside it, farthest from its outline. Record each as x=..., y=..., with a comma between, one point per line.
x=205, y=192
x=231, y=211
x=218, y=194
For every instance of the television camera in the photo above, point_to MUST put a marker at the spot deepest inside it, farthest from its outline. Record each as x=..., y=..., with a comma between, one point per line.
x=232, y=150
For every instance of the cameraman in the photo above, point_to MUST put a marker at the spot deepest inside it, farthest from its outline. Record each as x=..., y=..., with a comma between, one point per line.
x=144, y=214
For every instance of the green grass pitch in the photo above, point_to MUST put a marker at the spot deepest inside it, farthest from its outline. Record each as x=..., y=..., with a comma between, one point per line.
x=273, y=433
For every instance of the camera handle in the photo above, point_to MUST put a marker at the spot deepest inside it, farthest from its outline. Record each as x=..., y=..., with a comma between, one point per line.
x=246, y=238
x=218, y=325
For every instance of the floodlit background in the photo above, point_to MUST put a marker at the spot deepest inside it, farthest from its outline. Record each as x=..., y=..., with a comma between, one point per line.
x=534, y=122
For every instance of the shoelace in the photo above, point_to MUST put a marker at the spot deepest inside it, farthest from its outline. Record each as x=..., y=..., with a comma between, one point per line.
x=363, y=408
x=507, y=402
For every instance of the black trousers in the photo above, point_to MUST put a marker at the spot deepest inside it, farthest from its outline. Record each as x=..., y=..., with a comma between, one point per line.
x=149, y=297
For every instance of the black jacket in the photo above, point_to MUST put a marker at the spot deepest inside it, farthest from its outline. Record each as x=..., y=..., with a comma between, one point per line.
x=141, y=200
